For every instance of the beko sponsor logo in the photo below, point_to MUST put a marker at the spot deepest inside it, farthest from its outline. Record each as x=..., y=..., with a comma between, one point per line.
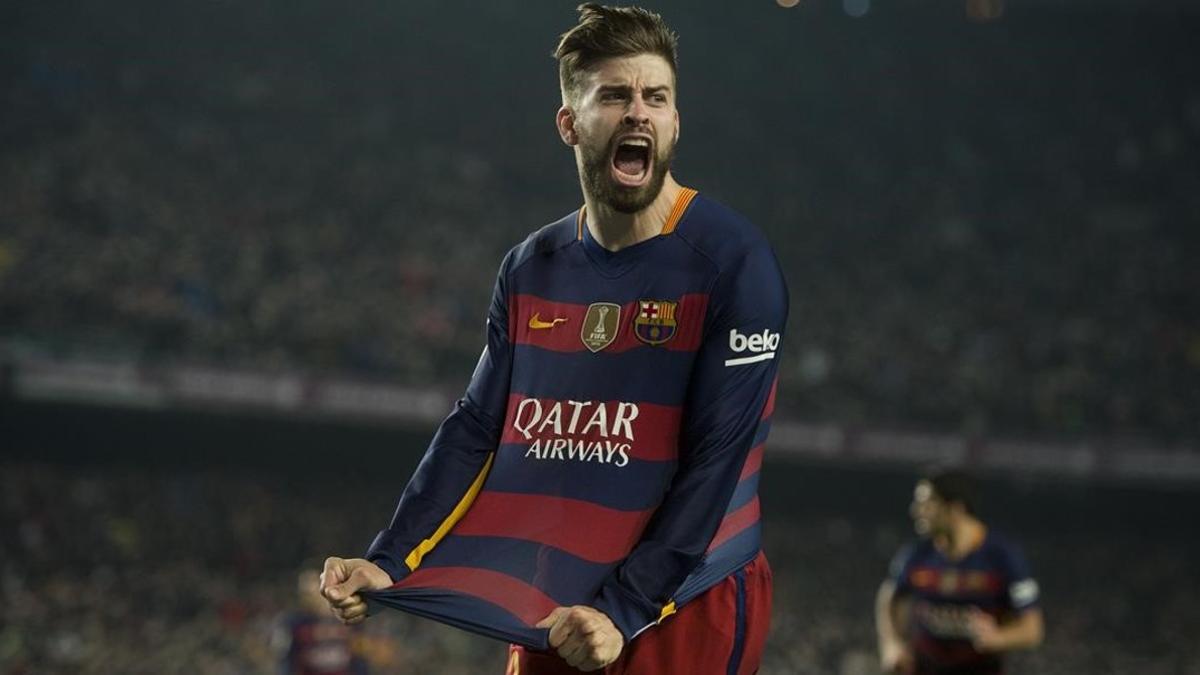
x=761, y=346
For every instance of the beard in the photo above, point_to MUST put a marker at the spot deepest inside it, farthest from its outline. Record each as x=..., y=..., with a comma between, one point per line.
x=597, y=177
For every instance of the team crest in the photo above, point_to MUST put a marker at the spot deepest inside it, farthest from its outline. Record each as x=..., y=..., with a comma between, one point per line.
x=600, y=325
x=948, y=584
x=655, y=322
x=976, y=581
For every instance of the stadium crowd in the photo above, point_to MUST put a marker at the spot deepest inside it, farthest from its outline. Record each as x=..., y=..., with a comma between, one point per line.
x=1002, y=241
x=999, y=242
x=108, y=570
x=177, y=573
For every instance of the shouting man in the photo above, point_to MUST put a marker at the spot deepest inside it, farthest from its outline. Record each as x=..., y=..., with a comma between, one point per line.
x=592, y=498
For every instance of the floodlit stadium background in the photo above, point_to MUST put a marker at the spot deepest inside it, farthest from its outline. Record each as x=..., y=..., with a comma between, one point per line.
x=246, y=248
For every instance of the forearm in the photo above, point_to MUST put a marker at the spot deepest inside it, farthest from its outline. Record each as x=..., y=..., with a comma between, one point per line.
x=672, y=546
x=885, y=625
x=453, y=465
x=712, y=487
x=1025, y=632
x=891, y=626
x=458, y=458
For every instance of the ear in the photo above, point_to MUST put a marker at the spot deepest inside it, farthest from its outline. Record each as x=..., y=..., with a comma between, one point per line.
x=565, y=121
x=676, y=125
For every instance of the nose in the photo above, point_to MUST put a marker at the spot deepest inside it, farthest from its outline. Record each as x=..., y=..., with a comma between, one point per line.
x=636, y=115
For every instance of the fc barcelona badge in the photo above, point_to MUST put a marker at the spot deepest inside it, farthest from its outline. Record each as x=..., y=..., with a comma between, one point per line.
x=655, y=322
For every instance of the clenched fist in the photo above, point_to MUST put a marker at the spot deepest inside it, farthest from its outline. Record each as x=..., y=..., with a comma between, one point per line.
x=584, y=637
x=341, y=582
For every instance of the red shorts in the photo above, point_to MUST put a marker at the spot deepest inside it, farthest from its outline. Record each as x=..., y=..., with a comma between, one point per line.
x=721, y=632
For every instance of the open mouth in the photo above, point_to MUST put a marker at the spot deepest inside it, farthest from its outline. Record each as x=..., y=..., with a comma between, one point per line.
x=631, y=161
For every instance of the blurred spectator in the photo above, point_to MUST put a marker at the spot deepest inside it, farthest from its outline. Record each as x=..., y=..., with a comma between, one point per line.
x=129, y=571
x=310, y=641
x=998, y=240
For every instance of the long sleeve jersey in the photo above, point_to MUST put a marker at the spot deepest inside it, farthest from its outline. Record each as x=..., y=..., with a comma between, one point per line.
x=607, y=450
x=994, y=578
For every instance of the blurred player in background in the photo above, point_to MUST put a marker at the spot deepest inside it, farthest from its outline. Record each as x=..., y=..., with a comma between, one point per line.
x=960, y=596
x=619, y=411
x=309, y=641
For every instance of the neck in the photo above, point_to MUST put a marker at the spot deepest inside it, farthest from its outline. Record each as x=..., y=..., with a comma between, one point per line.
x=961, y=538
x=615, y=230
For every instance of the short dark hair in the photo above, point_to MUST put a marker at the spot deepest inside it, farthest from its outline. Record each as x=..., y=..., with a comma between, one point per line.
x=604, y=32
x=952, y=484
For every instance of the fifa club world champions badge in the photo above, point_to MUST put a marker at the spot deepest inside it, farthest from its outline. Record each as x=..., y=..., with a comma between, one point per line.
x=600, y=325
x=655, y=322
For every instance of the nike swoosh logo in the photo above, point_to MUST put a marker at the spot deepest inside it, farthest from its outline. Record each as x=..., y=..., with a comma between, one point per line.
x=536, y=323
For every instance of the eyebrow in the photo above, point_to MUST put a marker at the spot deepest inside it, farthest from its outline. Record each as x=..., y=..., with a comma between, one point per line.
x=654, y=89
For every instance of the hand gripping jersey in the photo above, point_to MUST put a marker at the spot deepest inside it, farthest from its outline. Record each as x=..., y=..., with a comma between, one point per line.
x=994, y=577
x=607, y=450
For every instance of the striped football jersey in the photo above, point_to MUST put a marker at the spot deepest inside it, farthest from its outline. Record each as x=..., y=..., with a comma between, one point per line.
x=994, y=578
x=607, y=450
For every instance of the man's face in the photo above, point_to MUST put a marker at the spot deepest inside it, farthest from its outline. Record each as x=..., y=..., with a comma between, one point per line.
x=929, y=513
x=626, y=126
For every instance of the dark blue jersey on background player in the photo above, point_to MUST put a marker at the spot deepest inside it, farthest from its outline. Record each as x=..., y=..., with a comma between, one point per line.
x=593, y=496
x=959, y=597
x=308, y=641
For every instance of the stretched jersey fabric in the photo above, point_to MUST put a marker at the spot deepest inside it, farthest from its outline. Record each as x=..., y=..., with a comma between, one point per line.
x=994, y=577
x=607, y=450
x=733, y=617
